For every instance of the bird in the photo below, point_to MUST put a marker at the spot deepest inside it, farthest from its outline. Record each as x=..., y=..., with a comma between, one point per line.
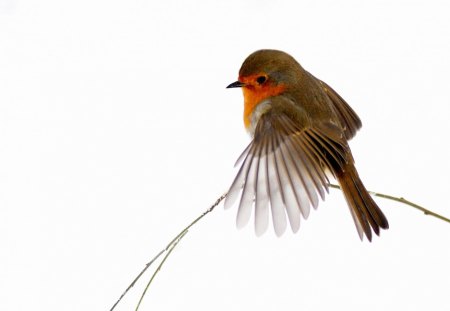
x=299, y=128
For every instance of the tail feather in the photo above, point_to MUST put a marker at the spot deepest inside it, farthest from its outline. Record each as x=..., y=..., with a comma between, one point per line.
x=366, y=213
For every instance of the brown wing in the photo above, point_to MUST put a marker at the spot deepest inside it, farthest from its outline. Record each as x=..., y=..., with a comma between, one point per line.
x=350, y=120
x=283, y=170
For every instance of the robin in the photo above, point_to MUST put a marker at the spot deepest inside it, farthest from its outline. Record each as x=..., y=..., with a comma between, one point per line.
x=299, y=127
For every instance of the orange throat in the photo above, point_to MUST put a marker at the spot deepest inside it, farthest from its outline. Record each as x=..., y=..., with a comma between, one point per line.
x=254, y=95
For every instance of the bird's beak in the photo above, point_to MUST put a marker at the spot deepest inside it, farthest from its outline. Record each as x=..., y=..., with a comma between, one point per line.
x=235, y=84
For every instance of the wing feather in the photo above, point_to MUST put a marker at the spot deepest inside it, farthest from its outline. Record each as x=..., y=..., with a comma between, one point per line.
x=276, y=200
x=287, y=187
x=351, y=123
x=239, y=180
x=309, y=155
x=283, y=170
x=262, y=193
x=248, y=191
x=300, y=191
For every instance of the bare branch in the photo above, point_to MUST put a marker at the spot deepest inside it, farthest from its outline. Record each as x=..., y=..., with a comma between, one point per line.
x=167, y=249
x=404, y=201
x=174, y=244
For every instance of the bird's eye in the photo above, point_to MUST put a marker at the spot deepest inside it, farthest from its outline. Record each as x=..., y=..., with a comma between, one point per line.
x=261, y=79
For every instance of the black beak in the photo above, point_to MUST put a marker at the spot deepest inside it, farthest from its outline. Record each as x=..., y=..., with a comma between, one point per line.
x=235, y=84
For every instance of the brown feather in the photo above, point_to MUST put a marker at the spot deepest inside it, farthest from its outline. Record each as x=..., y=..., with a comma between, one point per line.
x=367, y=212
x=348, y=117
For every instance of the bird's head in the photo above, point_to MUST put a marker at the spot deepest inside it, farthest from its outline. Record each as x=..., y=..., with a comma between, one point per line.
x=264, y=74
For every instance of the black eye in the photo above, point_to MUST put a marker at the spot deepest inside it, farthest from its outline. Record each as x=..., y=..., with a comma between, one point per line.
x=261, y=79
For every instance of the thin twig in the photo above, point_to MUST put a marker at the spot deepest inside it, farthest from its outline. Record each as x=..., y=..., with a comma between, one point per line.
x=404, y=201
x=160, y=265
x=167, y=249
x=138, y=277
x=173, y=243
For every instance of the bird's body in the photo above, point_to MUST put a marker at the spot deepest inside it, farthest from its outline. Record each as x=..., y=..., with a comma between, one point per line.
x=300, y=127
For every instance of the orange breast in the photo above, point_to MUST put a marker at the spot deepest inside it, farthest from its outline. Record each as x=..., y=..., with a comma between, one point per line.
x=253, y=95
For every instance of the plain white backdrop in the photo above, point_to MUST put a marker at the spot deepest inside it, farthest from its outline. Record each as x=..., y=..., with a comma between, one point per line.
x=116, y=131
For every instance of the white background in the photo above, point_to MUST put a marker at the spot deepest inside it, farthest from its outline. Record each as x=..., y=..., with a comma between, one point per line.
x=116, y=130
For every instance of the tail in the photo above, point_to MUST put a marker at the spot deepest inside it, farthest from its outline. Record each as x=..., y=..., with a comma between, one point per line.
x=365, y=212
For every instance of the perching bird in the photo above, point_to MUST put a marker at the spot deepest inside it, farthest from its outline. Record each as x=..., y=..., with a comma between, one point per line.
x=299, y=127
